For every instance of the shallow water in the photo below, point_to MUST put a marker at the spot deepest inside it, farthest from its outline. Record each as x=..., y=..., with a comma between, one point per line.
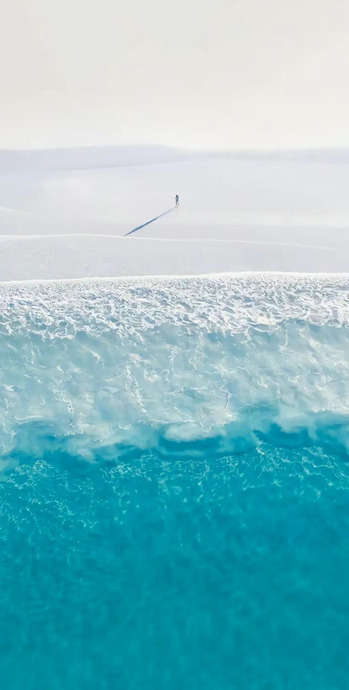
x=174, y=484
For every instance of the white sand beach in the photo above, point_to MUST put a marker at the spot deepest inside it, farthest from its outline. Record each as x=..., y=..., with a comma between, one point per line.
x=65, y=213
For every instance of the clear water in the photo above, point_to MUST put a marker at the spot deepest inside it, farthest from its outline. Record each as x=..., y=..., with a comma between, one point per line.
x=174, y=484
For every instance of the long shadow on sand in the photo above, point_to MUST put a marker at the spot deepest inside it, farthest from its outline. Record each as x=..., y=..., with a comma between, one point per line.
x=150, y=221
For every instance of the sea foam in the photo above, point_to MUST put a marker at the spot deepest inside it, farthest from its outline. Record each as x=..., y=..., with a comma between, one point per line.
x=101, y=366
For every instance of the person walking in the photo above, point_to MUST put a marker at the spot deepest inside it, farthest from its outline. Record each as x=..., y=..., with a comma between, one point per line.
x=177, y=200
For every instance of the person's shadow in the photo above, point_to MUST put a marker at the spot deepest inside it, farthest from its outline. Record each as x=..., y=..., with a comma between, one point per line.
x=150, y=221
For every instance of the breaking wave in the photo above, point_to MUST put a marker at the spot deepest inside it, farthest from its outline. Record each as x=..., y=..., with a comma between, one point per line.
x=99, y=369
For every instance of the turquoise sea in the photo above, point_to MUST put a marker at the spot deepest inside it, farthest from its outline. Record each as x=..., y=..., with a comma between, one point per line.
x=174, y=476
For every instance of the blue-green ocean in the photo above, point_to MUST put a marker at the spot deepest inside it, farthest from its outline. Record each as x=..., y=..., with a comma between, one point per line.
x=174, y=476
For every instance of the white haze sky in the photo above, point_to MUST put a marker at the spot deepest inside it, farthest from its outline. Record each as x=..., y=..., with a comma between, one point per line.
x=193, y=73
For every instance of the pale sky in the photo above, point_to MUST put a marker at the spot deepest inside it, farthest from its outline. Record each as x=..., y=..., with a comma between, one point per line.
x=193, y=73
